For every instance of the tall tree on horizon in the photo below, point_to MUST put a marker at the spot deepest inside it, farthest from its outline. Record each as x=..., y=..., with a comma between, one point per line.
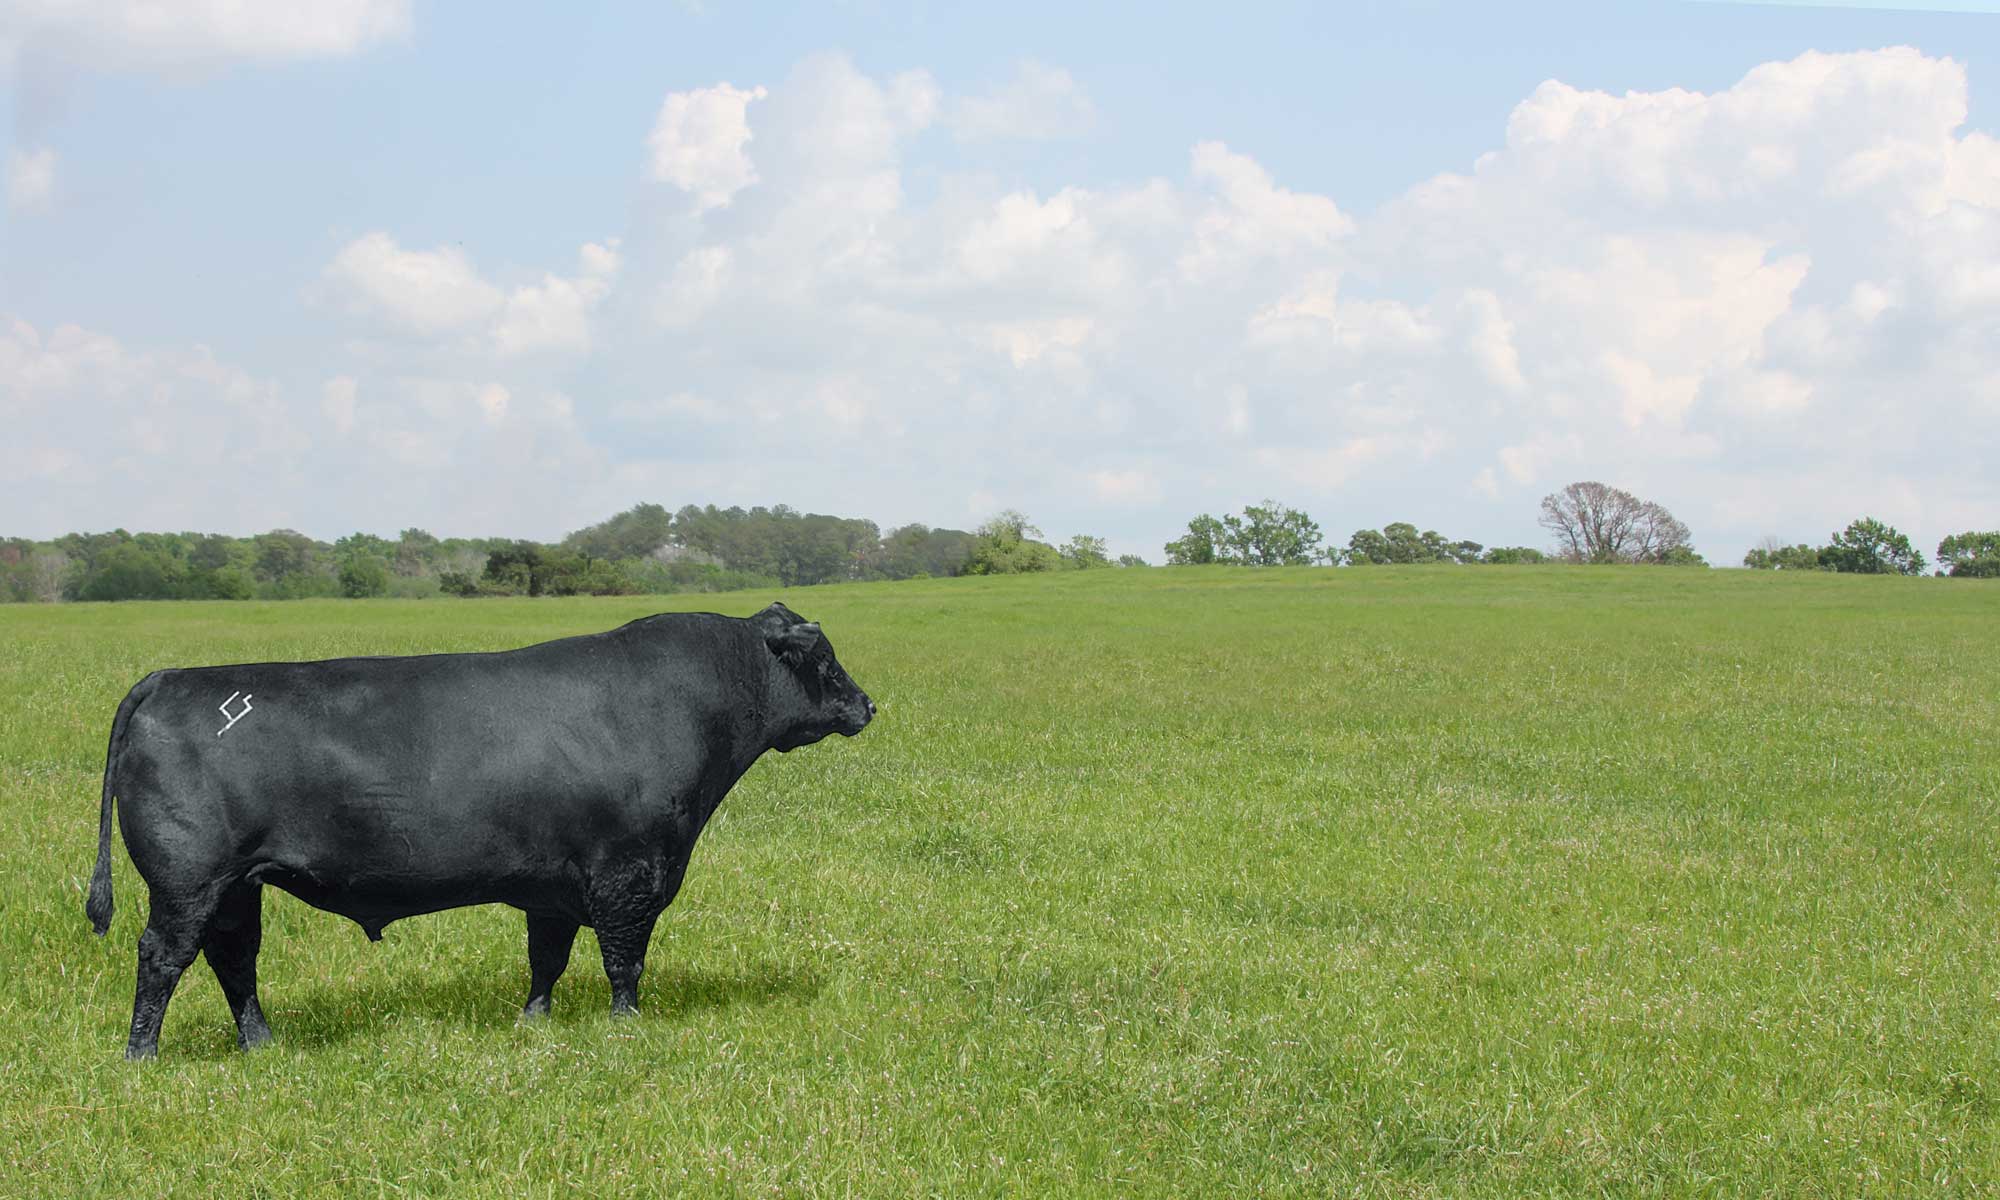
x=1597, y=523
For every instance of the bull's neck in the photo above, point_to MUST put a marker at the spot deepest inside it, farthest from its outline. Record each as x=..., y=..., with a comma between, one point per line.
x=782, y=705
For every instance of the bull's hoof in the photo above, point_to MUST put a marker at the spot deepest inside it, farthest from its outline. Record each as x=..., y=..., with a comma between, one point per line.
x=141, y=1053
x=253, y=1039
x=622, y=1011
x=535, y=1009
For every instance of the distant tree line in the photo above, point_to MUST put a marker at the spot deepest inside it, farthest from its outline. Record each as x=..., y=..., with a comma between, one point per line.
x=645, y=549
x=1592, y=523
x=1869, y=547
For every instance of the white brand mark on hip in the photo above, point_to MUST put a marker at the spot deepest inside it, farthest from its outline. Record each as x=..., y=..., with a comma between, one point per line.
x=224, y=708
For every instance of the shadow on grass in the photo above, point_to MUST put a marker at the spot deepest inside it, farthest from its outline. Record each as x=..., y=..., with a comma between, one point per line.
x=490, y=996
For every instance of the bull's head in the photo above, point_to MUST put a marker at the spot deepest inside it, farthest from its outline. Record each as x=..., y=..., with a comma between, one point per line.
x=813, y=684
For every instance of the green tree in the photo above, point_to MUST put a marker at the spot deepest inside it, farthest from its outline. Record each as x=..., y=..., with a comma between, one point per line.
x=31, y=572
x=1869, y=547
x=798, y=548
x=1406, y=545
x=1367, y=548
x=231, y=583
x=1971, y=555
x=212, y=552
x=1204, y=542
x=511, y=570
x=83, y=550
x=363, y=568
x=634, y=533
x=1399, y=542
x=1775, y=556
x=364, y=575
x=282, y=554
x=1512, y=555
x=1272, y=535
x=901, y=554
x=355, y=544
x=561, y=572
x=1132, y=560
x=811, y=548
x=1006, y=545
x=416, y=552
x=1263, y=535
x=131, y=571
x=913, y=550
x=1084, y=551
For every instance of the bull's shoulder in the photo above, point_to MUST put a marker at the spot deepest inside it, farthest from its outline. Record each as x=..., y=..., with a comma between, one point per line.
x=683, y=634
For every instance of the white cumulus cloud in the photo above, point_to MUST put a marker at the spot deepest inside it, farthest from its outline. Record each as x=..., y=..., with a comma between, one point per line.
x=123, y=33
x=439, y=294
x=700, y=140
x=554, y=314
x=427, y=291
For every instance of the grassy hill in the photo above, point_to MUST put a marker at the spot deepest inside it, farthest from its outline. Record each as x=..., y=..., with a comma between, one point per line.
x=1402, y=881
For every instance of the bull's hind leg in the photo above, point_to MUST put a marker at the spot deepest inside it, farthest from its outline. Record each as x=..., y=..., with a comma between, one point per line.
x=173, y=935
x=234, y=936
x=549, y=941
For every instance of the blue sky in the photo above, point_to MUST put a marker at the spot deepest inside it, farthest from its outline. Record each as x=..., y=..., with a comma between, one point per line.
x=366, y=264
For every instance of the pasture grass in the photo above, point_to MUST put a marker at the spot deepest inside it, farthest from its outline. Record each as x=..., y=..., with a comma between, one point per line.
x=1396, y=882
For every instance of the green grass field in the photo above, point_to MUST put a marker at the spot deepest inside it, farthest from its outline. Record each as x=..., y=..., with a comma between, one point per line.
x=1195, y=881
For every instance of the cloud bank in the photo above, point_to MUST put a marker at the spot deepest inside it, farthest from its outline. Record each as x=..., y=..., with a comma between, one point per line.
x=1771, y=307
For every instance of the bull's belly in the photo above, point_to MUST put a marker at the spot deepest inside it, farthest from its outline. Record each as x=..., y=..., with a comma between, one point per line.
x=380, y=853
x=373, y=903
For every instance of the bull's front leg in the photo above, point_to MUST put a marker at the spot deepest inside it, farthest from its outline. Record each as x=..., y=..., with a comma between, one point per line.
x=624, y=946
x=624, y=907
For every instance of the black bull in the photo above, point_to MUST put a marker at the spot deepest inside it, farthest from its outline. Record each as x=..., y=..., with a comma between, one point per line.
x=568, y=779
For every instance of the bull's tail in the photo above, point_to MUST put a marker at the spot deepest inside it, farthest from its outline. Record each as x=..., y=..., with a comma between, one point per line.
x=97, y=905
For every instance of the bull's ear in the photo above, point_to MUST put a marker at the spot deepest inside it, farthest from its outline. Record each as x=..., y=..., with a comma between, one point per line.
x=774, y=620
x=792, y=642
